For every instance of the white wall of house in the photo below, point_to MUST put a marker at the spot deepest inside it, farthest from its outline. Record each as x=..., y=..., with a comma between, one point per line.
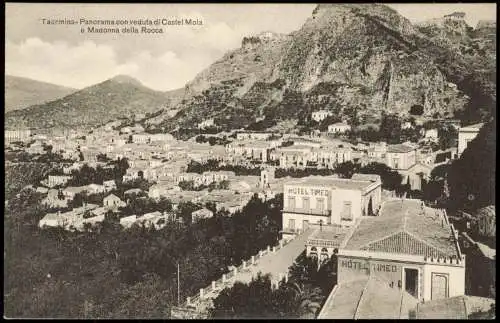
x=464, y=137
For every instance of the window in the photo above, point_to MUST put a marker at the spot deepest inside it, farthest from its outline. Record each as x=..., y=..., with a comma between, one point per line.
x=395, y=162
x=305, y=203
x=320, y=204
x=291, y=224
x=346, y=211
x=291, y=202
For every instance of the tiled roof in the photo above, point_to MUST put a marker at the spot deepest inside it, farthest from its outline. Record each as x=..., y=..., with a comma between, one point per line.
x=402, y=228
x=368, y=298
x=400, y=148
x=332, y=181
x=379, y=301
x=404, y=243
x=344, y=303
x=366, y=177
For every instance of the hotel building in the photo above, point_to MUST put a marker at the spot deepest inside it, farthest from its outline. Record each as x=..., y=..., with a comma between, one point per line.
x=327, y=200
x=390, y=263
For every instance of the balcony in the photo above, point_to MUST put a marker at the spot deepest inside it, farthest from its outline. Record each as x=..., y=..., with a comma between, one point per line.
x=308, y=211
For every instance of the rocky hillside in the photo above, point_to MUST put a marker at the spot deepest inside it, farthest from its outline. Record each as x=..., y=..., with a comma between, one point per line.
x=21, y=92
x=95, y=105
x=346, y=57
x=468, y=58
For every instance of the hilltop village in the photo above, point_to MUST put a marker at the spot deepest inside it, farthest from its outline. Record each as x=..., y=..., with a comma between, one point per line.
x=360, y=203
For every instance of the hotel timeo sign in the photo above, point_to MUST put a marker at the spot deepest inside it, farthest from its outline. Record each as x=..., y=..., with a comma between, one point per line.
x=308, y=191
x=366, y=266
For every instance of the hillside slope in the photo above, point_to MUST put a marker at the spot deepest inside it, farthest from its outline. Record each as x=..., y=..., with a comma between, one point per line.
x=121, y=96
x=21, y=92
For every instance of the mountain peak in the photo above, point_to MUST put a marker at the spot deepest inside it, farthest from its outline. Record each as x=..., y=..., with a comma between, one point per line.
x=122, y=78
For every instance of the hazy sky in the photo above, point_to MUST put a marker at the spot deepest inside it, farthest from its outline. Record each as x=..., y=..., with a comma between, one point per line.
x=60, y=54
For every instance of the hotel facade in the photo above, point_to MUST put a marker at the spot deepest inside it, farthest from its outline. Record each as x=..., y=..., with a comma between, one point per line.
x=329, y=200
x=389, y=264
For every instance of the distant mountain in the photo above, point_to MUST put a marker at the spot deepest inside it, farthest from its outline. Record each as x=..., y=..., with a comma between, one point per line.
x=119, y=97
x=21, y=92
x=356, y=60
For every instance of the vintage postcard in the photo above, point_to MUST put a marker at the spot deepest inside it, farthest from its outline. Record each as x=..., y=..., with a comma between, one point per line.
x=235, y=161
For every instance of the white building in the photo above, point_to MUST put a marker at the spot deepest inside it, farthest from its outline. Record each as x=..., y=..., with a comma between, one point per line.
x=109, y=185
x=431, y=134
x=206, y=124
x=17, y=135
x=401, y=156
x=55, y=180
x=95, y=188
x=466, y=135
x=320, y=115
x=338, y=128
x=254, y=135
x=390, y=263
x=456, y=16
x=128, y=221
x=51, y=220
x=113, y=202
x=328, y=200
x=201, y=214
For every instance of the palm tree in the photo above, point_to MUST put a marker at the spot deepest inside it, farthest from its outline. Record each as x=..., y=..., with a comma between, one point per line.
x=308, y=299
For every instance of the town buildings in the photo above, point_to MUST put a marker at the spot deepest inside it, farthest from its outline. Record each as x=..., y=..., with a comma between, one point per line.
x=17, y=135
x=55, y=180
x=320, y=115
x=338, y=128
x=247, y=135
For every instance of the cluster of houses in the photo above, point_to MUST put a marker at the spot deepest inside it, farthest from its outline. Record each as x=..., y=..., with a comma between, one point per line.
x=162, y=159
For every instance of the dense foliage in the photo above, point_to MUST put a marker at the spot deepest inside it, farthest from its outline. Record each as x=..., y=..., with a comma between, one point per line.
x=60, y=274
x=471, y=178
x=214, y=165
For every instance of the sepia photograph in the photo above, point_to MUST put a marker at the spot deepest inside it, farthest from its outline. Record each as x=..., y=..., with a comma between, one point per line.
x=250, y=161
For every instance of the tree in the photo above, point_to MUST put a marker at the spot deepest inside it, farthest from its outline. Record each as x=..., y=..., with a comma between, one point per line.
x=390, y=128
x=417, y=110
x=346, y=169
x=471, y=178
x=390, y=179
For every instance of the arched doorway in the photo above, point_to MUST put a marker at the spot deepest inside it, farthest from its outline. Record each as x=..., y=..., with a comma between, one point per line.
x=313, y=253
x=324, y=255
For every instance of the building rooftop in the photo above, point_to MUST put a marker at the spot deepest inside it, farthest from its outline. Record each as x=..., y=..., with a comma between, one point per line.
x=399, y=148
x=295, y=148
x=332, y=234
x=404, y=228
x=343, y=304
x=339, y=124
x=79, y=189
x=331, y=181
x=473, y=127
x=362, y=299
x=366, y=177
